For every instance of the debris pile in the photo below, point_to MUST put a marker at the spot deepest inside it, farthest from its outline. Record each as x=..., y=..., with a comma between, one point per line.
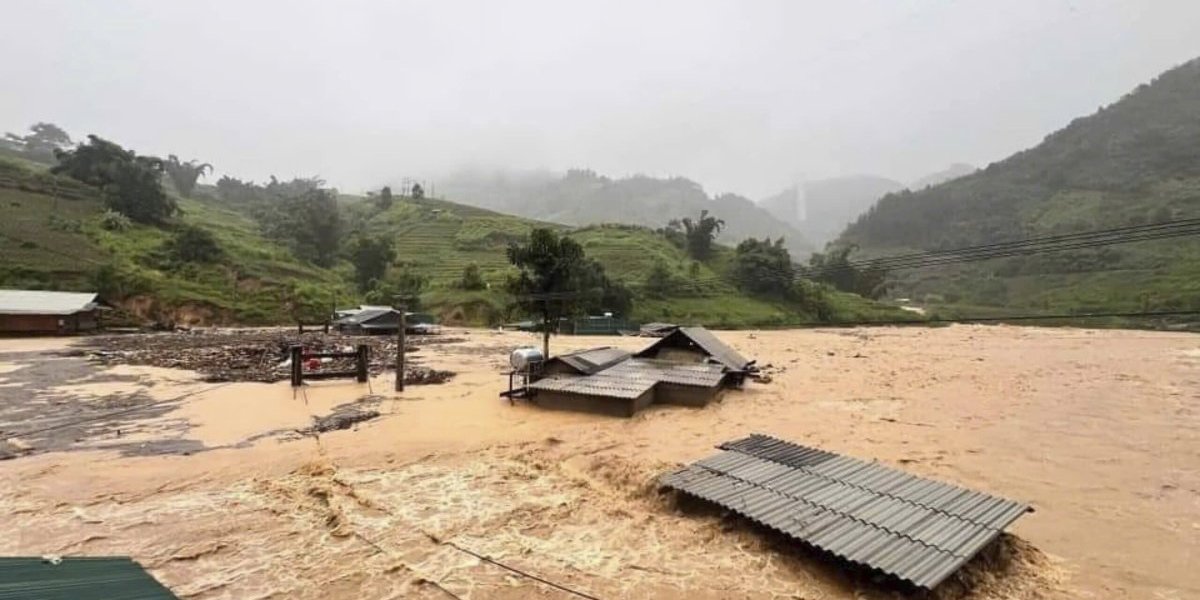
x=253, y=355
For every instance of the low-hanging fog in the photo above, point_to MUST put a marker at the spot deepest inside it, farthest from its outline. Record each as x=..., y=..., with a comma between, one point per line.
x=740, y=96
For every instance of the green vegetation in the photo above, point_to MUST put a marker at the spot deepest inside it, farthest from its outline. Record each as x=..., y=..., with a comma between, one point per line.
x=56, y=234
x=131, y=184
x=242, y=252
x=371, y=256
x=1136, y=161
x=185, y=174
x=556, y=279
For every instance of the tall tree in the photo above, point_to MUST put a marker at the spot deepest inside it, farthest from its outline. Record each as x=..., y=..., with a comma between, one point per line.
x=132, y=184
x=185, y=174
x=385, y=198
x=699, y=234
x=418, y=192
x=371, y=256
x=556, y=279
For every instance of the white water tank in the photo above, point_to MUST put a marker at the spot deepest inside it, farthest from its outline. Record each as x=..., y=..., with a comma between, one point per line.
x=522, y=358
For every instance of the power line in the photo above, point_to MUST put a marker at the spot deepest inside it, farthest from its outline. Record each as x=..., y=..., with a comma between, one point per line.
x=1105, y=237
x=1051, y=317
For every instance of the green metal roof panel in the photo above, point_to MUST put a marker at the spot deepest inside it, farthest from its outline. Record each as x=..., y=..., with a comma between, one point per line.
x=78, y=578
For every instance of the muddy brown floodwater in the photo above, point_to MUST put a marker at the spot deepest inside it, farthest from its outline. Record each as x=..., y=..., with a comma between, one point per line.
x=224, y=491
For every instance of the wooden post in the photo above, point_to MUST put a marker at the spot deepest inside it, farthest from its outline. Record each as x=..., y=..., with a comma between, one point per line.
x=403, y=341
x=400, y=339
x=297, y=355
x=361, y=361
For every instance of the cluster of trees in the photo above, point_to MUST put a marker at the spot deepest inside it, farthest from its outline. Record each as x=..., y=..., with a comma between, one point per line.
x=131, y=184
x=835, y=268
x=301, y=213
x=556, y=279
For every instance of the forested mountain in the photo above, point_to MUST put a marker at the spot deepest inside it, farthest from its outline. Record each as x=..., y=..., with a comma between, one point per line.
x=821, y=209
x=1135, y=161
x=583, y=197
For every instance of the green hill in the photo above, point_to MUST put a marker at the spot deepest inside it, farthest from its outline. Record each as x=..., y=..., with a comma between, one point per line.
x=1136, y=161
x=53, y=235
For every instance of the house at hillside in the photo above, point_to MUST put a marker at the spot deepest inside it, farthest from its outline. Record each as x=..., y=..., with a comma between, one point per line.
x=381, y=320
x=35, y=312
x=692, y=370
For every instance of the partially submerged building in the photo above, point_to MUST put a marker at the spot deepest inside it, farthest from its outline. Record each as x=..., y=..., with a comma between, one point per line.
x=381, y=320
x=611, y=381
x=35, y=312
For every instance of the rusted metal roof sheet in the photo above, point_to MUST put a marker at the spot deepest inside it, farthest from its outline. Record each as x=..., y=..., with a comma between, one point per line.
x=916, y=529
x=696, y=375
x=593, y=360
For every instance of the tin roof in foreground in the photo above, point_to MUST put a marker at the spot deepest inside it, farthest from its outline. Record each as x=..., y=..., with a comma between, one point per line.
x=37, y=302
x=916, y=529
x=78, y=578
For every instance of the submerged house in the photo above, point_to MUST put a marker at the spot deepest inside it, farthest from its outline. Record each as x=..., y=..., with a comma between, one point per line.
x=34, y=312
x=369, y=320
x=380, y=320
x=612, y=381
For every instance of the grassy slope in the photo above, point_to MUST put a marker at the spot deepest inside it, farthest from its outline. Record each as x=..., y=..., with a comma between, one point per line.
x=59, y=244
x=441, y=238
x=53, y=243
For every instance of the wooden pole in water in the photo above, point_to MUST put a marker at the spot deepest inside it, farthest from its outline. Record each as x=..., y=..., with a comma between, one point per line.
x=400, y=339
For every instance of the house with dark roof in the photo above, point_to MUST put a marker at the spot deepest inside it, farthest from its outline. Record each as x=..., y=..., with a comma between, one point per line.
x=699, y=345
x=36, y=312
x=369, y=320
x=684, y=371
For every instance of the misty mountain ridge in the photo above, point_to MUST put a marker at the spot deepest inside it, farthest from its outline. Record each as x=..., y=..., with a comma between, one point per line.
x=1133, y=162
x=582, y=197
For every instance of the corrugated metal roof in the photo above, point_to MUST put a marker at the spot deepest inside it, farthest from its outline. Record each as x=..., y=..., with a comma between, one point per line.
x=916, y=529
x=706, y=341
x=593, y=360
x=595, y=385
x=115, y=578
x=34, y=302
x=366, y=315
x=698, y=375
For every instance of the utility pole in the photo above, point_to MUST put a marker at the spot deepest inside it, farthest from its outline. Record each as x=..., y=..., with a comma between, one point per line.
x=402, y=306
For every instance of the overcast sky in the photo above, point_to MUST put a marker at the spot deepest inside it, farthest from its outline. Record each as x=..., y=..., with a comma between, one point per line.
x=742, y=96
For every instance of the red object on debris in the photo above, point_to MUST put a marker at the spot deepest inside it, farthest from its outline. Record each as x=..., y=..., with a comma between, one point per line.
x=313, y=363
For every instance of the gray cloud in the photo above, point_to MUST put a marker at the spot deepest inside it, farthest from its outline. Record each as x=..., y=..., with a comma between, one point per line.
x=741, y=96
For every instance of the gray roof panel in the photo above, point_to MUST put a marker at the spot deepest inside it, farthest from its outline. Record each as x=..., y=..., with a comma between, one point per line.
x=916, y=529
x=35, y=302
x=593, y=360
x=78, y=578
